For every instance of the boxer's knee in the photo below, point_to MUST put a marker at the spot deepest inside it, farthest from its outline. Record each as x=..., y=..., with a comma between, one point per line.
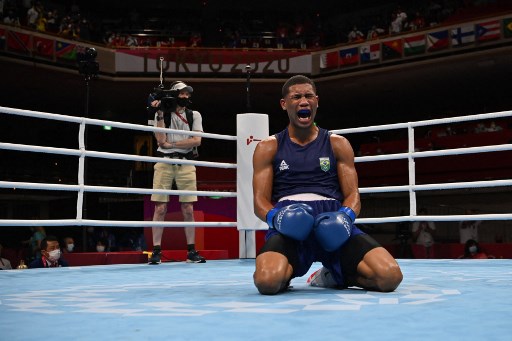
x=268, y=282
x=379, y=271
x=389, y=277
x=272, y=273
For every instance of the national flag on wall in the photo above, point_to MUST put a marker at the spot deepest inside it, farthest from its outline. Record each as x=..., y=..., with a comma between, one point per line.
x=437, y=41
x=329, y=60
x=414, y=45
x=370, y=53
x=488, y=30
x=43, y=47
x=349, y=56
x=463, y=35
x=507, y=27
x=65, y=50
x=18, y=42
x=392, y=49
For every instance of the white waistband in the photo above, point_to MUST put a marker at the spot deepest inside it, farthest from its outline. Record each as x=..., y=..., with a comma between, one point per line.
x=305, y=197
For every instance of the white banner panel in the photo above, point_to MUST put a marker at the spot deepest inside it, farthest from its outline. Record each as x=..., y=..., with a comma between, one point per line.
x=213, y=61
x=250, y=129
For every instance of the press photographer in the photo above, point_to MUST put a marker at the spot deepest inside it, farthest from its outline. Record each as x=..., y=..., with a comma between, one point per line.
x=169, y=109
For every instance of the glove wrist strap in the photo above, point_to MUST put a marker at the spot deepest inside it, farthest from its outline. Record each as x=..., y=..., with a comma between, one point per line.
x=270, y=217
x=348, y=211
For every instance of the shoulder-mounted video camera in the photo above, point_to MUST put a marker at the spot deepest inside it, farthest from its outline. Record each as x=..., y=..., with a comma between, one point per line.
x=169, y=99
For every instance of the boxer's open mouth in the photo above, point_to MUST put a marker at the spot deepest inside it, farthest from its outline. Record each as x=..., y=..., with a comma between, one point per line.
x=304, y=114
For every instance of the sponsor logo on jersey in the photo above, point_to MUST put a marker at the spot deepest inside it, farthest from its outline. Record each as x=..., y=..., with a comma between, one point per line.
x=283, y=166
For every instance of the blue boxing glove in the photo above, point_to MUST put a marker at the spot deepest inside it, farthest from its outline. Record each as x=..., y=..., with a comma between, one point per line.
x=294, y=221
x=332, y=229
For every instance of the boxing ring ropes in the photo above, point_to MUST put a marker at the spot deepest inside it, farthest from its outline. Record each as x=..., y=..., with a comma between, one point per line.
x=246, y=223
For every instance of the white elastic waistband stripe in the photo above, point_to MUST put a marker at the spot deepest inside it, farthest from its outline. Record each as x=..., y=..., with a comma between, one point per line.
x=305, y=197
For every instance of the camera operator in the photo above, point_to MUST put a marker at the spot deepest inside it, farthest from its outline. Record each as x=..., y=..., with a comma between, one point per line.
x=170, y=108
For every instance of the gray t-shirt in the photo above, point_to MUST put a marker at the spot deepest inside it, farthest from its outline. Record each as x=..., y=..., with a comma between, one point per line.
x=179, y=122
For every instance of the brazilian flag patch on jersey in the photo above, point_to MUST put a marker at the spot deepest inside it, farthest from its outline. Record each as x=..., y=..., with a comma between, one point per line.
x=325, y=164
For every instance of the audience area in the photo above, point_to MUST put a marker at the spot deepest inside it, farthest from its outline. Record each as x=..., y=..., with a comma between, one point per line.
x=208, y=25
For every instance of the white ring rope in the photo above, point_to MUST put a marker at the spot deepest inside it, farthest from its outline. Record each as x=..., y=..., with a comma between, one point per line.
x=112, y=156
x=430, y=153
x=106, y=189
x=472, y=217
x=441, y=186
x=82, y=153
x=117, y=223
x=91, y=121
x=437, y=121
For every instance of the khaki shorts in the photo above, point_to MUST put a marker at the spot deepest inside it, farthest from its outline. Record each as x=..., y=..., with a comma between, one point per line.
x=184, y=175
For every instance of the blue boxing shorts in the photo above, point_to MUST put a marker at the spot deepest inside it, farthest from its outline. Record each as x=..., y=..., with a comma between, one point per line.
x=301, y=255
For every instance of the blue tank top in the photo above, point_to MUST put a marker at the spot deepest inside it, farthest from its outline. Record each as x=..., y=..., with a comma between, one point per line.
x=305, y=169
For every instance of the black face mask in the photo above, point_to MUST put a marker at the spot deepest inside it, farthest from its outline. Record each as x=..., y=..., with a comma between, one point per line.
x=183, y=102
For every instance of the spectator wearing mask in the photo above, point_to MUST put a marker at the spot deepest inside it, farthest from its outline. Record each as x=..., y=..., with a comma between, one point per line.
x=68, y=245
x=50, y=255
x=473, y=251
x=101, y=245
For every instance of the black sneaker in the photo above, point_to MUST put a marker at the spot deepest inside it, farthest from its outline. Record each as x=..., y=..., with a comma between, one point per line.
x=194, y=257
x=155, y=258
